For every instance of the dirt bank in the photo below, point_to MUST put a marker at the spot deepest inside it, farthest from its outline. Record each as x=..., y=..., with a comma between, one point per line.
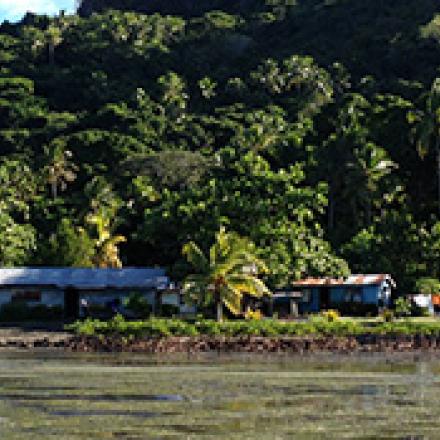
x=253, y=344
x=27, y=339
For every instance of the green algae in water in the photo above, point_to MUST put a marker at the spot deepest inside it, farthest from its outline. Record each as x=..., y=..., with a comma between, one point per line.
x=47, y=395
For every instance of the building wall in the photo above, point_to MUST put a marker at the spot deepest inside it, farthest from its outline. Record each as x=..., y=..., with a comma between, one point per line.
x=104, y=297
x=55, y=297
x=371, y=294
x=5, y=297
x=340, y=294
x=337, y=294
x=313, y=305
x=48, y=297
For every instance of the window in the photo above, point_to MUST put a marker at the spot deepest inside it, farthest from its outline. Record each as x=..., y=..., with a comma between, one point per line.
x=306, y=296
x=26, y=296
x=353, y=295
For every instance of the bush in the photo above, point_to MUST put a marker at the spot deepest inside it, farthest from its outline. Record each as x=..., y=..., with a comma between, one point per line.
x=137, y=305
x=254, y=315
x=428, y=286
x=402, y=307
x=14, y=312
x=161, y=327
x=99, y=311
x=169, y=310
x=421, y=312
x=356, y=309
x=388, y=316
x=331, y=315
x=21, y=311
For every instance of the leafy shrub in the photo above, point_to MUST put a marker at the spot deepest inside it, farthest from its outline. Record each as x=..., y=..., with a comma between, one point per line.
x=99, y=311
x=43, y=312
x=21, y=311
x=428, y=286
x=402, y=307
x=356, y=309
x=169, y=310
x=418, y=311
x=388, y=315
x=331, y=315
x=254, y=315
x=160, y=327
x=137, y=305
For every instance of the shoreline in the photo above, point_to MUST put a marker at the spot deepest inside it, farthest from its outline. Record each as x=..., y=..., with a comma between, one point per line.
x=255, y=344
x=17, y=338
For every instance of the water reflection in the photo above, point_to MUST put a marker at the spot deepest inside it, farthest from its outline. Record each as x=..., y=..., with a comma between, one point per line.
x=47, y=395
x=91, y=397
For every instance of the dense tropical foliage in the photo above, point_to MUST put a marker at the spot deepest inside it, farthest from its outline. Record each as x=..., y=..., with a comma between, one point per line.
x=309, y=126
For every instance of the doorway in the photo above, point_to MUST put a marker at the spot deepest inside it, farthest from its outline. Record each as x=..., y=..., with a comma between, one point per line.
x=324, y=298
x=71, y=304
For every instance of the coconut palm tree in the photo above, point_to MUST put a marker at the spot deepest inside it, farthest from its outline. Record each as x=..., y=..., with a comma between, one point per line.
x=365, y=172
x=60, y=169
x=229, y=271
x=53, y=39
x=106, y=244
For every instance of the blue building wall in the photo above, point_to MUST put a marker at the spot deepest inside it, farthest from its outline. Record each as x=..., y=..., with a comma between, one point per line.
x=312, y=306
x=369, y=294
x=337, y=294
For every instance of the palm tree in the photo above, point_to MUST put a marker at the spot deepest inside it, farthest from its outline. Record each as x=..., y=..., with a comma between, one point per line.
x=53, y=39
x=426, y=131
x=107, y=251
x=60, y=170
x=369, y=166
x=228, y=272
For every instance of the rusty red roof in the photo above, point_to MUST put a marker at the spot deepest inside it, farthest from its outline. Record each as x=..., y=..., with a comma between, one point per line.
x=352, y=280
x=319, y=282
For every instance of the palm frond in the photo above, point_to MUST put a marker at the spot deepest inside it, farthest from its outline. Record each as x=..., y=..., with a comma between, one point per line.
x=241, y=260
x=231, y=298
x=113, y=241
x=195, y=256
x=248, y=284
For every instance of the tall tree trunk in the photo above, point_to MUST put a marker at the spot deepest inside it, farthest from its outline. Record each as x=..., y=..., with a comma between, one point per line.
x=218, y=307
x=51, y=50
x=54, y=186
x=219, y=311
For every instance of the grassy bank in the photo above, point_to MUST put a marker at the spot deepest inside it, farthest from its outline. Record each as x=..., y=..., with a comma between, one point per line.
x=156, y=327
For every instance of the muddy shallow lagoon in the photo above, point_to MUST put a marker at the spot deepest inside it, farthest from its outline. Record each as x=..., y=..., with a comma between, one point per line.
x=61, y=395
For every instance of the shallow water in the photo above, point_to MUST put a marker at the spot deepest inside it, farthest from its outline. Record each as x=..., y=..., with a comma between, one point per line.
x=46, y=395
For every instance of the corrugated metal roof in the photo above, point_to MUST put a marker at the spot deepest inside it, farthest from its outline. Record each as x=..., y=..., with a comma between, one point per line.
x=318, y=282
x=352, y=280
x=368, y=279
x=82, y=278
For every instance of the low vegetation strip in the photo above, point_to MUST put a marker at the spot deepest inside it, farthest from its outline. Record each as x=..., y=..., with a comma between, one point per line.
x=316, y=326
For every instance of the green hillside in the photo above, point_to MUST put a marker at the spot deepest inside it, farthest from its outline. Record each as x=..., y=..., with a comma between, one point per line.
x=313, y=127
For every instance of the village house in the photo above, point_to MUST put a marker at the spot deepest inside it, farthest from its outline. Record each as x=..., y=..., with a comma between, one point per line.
x=355, y=295
x=66, y=287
